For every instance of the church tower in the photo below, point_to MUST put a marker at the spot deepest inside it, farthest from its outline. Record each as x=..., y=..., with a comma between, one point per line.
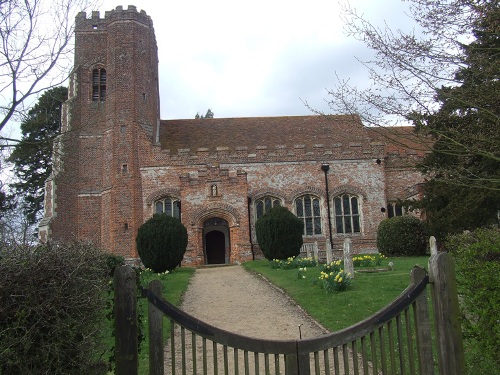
x=112, y=109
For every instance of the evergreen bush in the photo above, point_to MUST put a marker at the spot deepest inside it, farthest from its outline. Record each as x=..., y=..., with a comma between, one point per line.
x=161, y=242
x=402, y=236
x=279, y=233
x=477, y=260
x=52, y=309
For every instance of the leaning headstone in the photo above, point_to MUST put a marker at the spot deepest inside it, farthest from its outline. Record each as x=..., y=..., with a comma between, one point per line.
x=348, y=265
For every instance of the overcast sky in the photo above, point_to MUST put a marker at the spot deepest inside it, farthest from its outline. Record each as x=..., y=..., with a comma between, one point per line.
x=254, y=58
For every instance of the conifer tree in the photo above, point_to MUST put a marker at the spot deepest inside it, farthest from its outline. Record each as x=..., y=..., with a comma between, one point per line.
x=32, y=156
x=464, y=165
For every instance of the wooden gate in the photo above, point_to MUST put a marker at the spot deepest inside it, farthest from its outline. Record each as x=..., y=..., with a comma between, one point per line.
x=402, y=338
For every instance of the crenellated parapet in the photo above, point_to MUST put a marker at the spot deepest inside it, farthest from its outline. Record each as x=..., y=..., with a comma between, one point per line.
x=278, y=153
x=96, y=23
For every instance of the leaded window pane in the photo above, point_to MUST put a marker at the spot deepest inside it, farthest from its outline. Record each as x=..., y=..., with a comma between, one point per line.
x=347, y=224
x=346, y=205
x=399, y=210
x=338, y=206
x=268, y=204
x=338, y=224
x=260, y=209
x=177, y=209
x=390, y=210
x=159, y=207
x=317, y=225
x=299, y=208
x=307, y=206
x=168, y=207
x=309, y=226
x=316, y=208
x=354, y=206
x=277, y=202
x=356, y=226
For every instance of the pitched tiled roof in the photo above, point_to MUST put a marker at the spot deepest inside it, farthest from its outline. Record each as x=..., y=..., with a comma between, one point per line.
x=251, y=132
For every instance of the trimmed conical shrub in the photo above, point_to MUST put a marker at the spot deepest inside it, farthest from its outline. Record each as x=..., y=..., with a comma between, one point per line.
x=279, y=233
x=161, y=242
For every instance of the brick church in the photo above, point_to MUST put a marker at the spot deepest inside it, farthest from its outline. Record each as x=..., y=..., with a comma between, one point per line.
x=116, y=163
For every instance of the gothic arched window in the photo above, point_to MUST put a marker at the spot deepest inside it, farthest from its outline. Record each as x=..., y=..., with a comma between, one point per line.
x=347, y=218
x=308, y=209
x=394, y=209
x=169, y=206
x=99, y=84
x=264, y=204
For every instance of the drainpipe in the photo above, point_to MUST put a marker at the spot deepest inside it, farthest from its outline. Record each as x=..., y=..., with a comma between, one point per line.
x=249, y=202
x=325, y=168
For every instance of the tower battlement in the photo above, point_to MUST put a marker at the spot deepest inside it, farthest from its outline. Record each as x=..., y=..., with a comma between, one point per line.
x=96, y=23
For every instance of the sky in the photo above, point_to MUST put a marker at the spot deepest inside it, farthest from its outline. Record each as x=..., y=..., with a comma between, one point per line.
x=258, y=58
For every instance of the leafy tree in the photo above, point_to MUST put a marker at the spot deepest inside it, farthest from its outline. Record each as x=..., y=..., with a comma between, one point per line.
x=442, y=76
x=32, y=156
x=209, y=114
x=161, y=242
x=279, y=233
x=446, y=66
x=36, y=38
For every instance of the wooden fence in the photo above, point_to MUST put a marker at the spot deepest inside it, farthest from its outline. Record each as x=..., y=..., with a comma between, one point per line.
x=402, y=338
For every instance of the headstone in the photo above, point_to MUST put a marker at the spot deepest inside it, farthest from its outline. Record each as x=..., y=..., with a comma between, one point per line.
x=348, y=265
x=329, y=255
x=433, y=245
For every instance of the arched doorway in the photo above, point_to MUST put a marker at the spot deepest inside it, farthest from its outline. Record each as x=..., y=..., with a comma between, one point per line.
x=216, y=241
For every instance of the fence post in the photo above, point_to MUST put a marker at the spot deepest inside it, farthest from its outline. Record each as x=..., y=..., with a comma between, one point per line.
x=127, y=361
x=446, y=314
x=422, y=326
x=297, y=364
x=155, y=318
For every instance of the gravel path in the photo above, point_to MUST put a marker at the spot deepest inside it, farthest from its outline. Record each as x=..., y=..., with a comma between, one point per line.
x=239, y=301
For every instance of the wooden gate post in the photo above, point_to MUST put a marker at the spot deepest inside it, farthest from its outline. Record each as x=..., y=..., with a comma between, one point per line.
x=155, y=318
x=422, y=326
x=127, y=359
x=446, y=314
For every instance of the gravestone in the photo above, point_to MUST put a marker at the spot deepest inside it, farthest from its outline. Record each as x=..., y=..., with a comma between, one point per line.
x=348, y=265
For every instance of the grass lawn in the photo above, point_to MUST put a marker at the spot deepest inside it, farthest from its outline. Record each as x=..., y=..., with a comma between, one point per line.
x=368, y=293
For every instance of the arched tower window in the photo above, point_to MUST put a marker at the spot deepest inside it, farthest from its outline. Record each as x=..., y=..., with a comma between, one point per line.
x=169, y=206
x=99, y=84
x=308, y=209
x=264, y=204
x=347, y=218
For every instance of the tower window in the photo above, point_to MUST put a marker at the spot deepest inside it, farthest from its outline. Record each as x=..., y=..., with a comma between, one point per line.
x=99, y=85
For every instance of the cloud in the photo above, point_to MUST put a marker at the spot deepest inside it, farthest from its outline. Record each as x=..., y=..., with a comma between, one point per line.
x=257, y=58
